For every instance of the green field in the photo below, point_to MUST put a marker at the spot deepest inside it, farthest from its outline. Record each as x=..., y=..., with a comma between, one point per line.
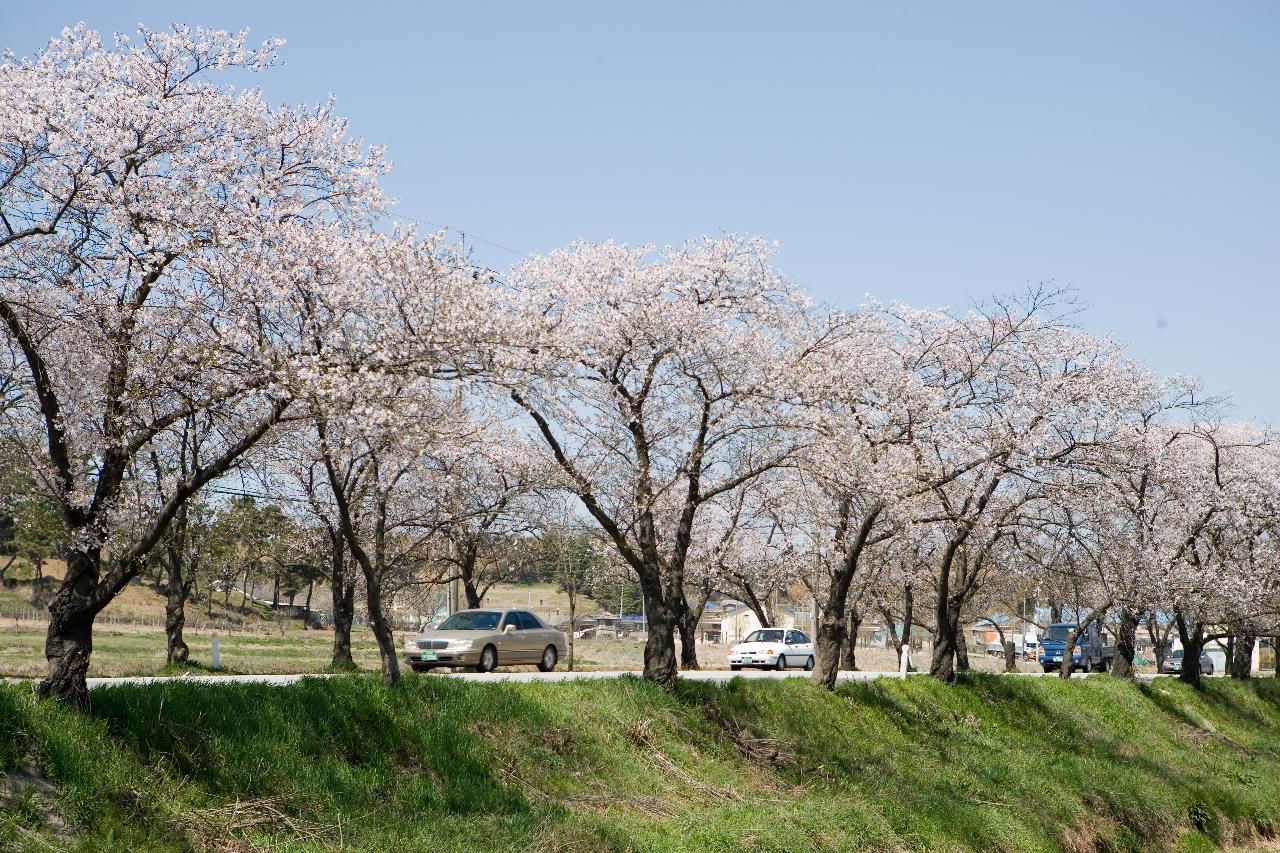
x=130, y=651
x=141, y=651
x=346, y=764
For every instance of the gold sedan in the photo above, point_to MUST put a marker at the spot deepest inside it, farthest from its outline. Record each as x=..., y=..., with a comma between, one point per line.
x=486, y=639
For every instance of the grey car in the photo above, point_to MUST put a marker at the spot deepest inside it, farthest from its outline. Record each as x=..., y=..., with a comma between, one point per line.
x=1177, y=657
x=485, y=639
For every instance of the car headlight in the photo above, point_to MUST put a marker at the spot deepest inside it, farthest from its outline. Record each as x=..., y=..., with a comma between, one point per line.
x=410, y=645
x=459, y=645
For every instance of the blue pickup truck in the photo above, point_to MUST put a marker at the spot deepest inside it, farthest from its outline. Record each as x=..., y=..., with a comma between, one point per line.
x=1091, y=652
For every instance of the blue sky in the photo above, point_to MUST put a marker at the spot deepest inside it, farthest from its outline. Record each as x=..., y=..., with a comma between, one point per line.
x=932, y=153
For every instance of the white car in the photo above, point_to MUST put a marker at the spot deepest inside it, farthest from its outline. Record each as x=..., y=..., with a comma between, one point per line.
x=772, y=648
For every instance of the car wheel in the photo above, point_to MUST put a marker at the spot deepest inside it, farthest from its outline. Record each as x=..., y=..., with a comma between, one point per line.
x=735, y=667
x=781, y=665
x=808, y=665
x=548, y=661
x=488, y=660
x=1047, y=667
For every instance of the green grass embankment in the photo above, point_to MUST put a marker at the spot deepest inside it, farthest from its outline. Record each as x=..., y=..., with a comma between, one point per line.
x=345, y=764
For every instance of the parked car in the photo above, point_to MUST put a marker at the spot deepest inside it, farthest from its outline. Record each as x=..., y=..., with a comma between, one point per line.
x=485, y=640
x=772, y=648
x=1178, y=656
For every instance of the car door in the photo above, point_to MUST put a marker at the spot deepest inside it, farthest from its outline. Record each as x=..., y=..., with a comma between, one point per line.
x=803, y=646
x=509, y=643
x=545, y=636
x=791, y=648
x=529, y=634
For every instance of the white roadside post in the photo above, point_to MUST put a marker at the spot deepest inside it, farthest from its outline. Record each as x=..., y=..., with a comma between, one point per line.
x=215, y=659
x=904, y=660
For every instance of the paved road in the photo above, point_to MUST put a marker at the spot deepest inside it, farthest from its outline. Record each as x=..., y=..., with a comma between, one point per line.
x=714, y=676
x=717, y=677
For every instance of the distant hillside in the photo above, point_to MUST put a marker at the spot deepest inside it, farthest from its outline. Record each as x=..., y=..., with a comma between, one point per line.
x=140, y=600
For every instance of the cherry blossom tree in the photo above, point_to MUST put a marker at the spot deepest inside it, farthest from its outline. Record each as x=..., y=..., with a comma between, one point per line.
x=1022, y=392
x=150, y=221
x=1199, y=567
x=651, y=382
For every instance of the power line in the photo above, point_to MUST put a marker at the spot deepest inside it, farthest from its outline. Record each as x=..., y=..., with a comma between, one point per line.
x=465, y=234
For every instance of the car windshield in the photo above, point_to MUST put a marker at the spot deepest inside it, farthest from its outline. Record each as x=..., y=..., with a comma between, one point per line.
x=1057, y=633
x=471, y=620
x=1177, y=655
x=764, y=637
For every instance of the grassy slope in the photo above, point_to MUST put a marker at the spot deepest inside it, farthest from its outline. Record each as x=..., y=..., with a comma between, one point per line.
x=992, y=764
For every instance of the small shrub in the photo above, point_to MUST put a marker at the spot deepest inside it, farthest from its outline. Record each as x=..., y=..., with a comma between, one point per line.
x=1204, y=818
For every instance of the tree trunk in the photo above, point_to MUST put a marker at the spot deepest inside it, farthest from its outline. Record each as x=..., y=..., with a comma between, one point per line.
x=381, y=629
x=1006, y=648
x=175, y=619
x=342, y=588
x=949, y=653
x=573, y=623
x=467, y=567
x=687, y=625
x=851, y=640
x=1159, y=644
x=175, y=612
x=689, y=619
x=831, y=635
x=891, y=623
x=757, y=605
x=1191, y=649
x=1192, y=637
x=962, y=649
x=1241, y=661
x=831, y=617
x=67, y=647
x=659, y=648
x=344, y=605
x=69, y=640
x=1126, y=640
x=688, y=629
x=942, y=666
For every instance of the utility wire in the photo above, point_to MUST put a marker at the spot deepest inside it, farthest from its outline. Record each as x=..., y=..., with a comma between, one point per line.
x=469, y=234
